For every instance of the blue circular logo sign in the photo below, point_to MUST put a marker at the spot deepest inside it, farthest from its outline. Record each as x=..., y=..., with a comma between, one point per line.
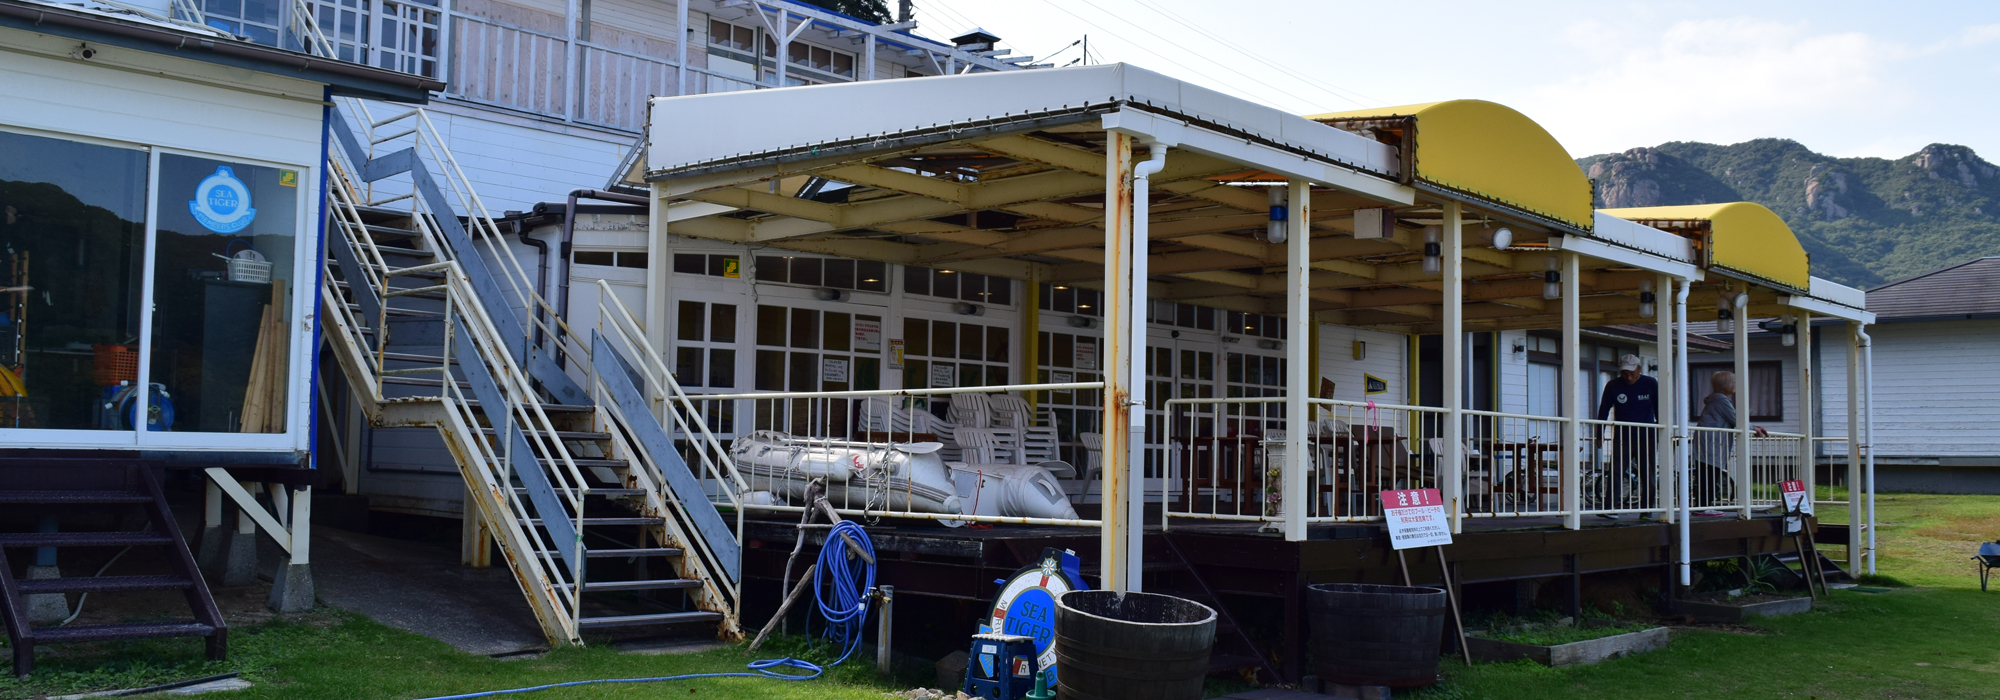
x=1033, y=614
x=222, y=203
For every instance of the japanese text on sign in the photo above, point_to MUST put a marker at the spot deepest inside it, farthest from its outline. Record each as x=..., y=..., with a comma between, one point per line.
x=1795, y=496
x=1416, y=518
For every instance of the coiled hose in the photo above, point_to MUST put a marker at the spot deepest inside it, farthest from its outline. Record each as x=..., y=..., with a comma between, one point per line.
x=842, y=587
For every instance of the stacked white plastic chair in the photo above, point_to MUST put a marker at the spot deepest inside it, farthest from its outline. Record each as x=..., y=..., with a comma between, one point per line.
x=1037, y=433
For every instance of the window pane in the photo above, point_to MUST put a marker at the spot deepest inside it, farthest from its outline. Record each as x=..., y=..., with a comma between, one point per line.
x=1065, y=351
x=971, y=286
x=806, y=271
x=771, y=268
x=771, y=325
x=945, y=284
x=835, y=331
x=221, y=338
x=721, y=265
x=722, y=369
x=804, y=372
x=770, y=370
x=1000, y=291
x=996, y=344
x=916, y=337
x=692, y=264
x=687, y=366
x=971, y=341
x=593, y=257
x=874, y=276
x=74, y=216
x=840, y=274
x=692, y=314
x=1064, y=299
x=867, y=373
x=916, y=280
x=722, y=323
x=944, y=339
x=632, y=259
x=804, y=322
x=1086, y=302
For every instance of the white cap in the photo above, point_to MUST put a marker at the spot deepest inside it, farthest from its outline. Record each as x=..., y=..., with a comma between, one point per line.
x=1628, y=362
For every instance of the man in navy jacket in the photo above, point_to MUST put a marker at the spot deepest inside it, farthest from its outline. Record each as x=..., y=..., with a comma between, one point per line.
x=1632, y=397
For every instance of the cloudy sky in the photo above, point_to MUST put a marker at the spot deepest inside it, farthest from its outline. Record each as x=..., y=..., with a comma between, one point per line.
x=1844, y=78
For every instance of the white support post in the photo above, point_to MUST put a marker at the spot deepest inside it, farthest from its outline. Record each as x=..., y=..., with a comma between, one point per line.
x=1807, y=463
x=1298, y=360
x=211, y=512
x=1136, y=350
x=1854, y=483
x=1663, y=452
x=1117, y=361
x=1572, y=392
x=571, y=13
x=1740, y=348
x=868, y=57
x=680, y=51
x=1868, y=436
x=281, y=504
x=301, y=524
x=1451, y=473
x=656, y=277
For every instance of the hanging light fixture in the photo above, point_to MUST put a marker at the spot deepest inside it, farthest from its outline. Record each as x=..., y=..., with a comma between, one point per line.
x=1646, y=299
x=1433, y=251
x=1274, y=231
x=1725, y=314
x=1502, y=238
x=1787, y=330
x=1552, y=287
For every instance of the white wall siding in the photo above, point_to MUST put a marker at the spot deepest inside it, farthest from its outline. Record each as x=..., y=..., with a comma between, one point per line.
x=1386, y=359
x=1513, y=373
x=1935, y=388
x=513, y=165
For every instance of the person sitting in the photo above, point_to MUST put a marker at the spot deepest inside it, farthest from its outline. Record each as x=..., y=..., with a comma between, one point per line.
x=1712, y=448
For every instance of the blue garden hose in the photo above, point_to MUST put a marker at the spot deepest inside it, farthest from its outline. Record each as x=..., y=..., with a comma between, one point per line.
x=836, y=577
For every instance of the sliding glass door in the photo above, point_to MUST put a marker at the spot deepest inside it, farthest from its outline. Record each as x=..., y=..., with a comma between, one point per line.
x=147, y=297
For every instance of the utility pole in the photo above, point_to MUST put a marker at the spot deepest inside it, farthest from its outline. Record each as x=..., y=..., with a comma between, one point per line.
x=905, y=9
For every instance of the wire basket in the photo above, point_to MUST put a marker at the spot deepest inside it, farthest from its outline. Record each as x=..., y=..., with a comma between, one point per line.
x=115, y=364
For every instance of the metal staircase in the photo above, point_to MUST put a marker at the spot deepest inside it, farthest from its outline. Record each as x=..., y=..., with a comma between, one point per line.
x=50, y=485
x=575, y=449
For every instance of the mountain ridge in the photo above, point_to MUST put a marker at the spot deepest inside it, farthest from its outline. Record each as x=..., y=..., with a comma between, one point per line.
x=1865, y=221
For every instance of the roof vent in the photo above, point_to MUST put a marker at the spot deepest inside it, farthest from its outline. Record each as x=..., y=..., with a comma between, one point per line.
x=976, y=36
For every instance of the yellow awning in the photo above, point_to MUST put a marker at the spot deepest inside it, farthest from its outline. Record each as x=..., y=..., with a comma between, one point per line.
x=1492, y=152
x=1743, y=237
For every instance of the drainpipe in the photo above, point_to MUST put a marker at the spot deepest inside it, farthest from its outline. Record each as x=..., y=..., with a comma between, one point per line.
x=1135, y=494
x=561, y=301
x=541, y=271
x=1681, y=432
x=1867, y=433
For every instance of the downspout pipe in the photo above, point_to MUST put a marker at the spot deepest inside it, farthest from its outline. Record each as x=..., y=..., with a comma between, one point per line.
x=1135, y=494
x=569, y=237
x=541, y=270
x=1867, y=433
x=1681, y=433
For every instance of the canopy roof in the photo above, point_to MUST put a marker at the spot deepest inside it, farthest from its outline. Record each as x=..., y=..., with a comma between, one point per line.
x=1484, y=150
x=1740, y=239
x=1005, y=174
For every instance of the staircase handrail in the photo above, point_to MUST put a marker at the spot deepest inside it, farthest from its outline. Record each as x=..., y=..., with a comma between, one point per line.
x=669, y=401
x=492, y=457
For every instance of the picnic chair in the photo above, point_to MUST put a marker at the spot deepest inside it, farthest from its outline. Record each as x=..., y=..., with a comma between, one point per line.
x=1987, y=559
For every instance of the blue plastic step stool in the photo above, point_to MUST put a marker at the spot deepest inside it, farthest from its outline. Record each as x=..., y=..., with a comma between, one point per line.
x=1002, y=666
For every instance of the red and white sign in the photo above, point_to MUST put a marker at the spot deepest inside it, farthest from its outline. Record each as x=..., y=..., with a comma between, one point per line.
x=1416, y=518
x=1795, y=496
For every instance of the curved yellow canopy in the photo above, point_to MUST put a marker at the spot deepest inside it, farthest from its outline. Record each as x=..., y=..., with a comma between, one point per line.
x=1742, y=237
x=1490, y=151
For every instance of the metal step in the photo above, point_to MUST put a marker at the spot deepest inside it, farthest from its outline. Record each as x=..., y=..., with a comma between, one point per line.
x=387, y=251
x=96, y=633
x=607, y=493
x=379, y=231
x=101, y=583
x=588, y=522
x=82, y=539
x=406, y=313
x=624, y=553
x=376, y=214
x=73, y=497
x=655, y=619
x=658, y=585
x=560, y=434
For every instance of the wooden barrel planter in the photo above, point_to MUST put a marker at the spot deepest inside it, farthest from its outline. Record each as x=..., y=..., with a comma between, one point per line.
x=1113, y=646
x=1365, y=634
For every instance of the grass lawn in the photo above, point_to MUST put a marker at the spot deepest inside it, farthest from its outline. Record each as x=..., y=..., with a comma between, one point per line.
x=1938, y=639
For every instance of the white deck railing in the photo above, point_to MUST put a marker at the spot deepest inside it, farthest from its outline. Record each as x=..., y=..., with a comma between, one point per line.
x=848, y=435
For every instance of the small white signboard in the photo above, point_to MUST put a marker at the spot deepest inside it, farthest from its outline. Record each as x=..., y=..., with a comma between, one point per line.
x=1085, y=355
x=1416, y=518
x=943, y=375
x=833, y=369
x=867, y=335
x=1795, y=496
